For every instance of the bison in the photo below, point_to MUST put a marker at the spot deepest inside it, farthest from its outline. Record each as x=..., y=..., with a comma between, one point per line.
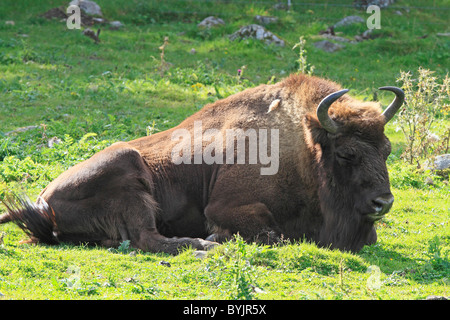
x=328, y=182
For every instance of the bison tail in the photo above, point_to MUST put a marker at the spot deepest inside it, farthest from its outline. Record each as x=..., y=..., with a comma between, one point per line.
x=37, y=220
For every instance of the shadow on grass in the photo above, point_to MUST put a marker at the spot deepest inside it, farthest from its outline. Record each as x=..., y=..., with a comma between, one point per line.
x=420, y=270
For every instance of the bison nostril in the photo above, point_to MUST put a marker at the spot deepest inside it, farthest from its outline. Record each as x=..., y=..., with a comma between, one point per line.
x=383, y=204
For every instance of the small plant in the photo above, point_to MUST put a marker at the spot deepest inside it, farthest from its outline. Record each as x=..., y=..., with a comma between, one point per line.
x=123, y=248
x=426, y=100
x=74, y=283
x=28, y=54
x=240, y=73
x=151, y=129
x=231, y=267
x=164, y=65
x=242, y=271
x=303, y=65
x=439, y=260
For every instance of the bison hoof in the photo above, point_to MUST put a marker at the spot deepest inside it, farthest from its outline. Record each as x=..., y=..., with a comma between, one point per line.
x=208, y=245
x=211, y=237
x=200, y=254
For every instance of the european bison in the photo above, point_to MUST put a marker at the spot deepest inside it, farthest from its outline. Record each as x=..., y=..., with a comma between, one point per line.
x=297, y=160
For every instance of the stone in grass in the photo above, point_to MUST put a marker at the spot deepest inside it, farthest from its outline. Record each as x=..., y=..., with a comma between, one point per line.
x=258, y=32
x=328, y=46
x=115, y=25
x=363, y=4
x=89, y=7
x=210, y=22
x=265, y=20
x=348, y=21
x=436, y=298
x=200, y=254
x=22, y=129
x=441, y=162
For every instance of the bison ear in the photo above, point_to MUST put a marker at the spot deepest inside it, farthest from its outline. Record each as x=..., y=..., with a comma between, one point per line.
x=315, y=131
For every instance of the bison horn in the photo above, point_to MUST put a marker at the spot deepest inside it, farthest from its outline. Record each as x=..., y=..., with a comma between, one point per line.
x=392, y=109
x=322, y=111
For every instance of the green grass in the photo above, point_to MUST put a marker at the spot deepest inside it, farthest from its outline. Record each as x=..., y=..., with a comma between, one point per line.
x=90, y=96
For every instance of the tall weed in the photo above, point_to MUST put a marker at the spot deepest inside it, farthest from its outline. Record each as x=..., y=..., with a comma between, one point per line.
x=426, y=101
x=231, y=269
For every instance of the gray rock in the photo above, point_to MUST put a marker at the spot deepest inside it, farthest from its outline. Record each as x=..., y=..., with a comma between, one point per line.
x=436, y=298
x=99, y=20
x=257, y=32
x=348, y=21
x=328, y=46
x=337, y=38
x=115, y=25
x=442, y=162
x=200, y=254
x=210, y=22
x=280, y=6
x=23, y=129
x=265, y=20
x=365, y=3
x=366, y=34
x=89, y=7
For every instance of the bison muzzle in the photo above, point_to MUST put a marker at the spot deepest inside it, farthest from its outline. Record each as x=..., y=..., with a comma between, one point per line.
x=330, y=185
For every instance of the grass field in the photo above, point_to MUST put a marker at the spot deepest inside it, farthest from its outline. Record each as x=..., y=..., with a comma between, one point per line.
x=91, y=95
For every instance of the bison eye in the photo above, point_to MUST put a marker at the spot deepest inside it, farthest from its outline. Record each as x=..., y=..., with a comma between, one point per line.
x=346, y=157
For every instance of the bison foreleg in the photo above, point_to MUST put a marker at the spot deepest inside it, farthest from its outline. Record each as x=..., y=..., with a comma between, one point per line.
x=154, y=242
x=253, y=222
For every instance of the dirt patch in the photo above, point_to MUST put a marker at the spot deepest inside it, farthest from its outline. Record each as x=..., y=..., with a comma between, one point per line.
x=59, y=13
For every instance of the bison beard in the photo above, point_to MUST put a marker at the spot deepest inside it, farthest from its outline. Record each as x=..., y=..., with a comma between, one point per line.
x=343, y=228
x=331, y=186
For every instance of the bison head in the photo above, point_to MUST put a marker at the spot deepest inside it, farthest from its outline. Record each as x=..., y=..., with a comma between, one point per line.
x=350, y=151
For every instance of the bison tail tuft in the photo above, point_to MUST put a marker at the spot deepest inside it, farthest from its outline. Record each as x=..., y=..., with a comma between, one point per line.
x=37, y=220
